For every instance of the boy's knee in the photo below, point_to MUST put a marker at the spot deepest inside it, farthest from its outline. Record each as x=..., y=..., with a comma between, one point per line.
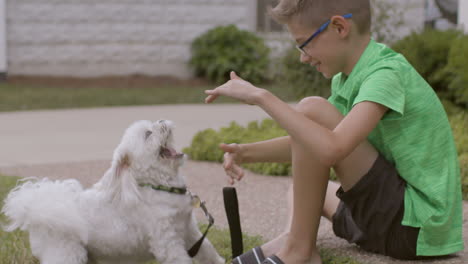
x=313, y=106
x=320, y=110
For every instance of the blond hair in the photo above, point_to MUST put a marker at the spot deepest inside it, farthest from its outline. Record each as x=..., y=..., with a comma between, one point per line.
x=312, y=13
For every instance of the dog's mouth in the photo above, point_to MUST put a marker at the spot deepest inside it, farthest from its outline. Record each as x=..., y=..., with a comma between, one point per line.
x=170, y=153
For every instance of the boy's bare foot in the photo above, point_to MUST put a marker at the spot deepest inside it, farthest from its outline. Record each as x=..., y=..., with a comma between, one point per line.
x=298, y=252
x=275, y=245
x=295, y=258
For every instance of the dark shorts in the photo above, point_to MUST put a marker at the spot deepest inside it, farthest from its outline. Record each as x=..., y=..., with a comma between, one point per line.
x=370, y=213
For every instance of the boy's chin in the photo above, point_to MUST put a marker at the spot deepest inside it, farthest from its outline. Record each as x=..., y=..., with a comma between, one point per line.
x=327, y=75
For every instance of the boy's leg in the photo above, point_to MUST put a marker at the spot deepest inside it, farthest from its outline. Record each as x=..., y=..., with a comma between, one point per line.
x=349, y=170
x=310, y=180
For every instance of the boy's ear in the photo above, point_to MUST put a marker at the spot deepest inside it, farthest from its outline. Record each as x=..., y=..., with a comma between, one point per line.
x=340, y=25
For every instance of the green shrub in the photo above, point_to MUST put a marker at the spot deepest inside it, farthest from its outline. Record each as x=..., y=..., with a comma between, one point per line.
x=457, y=69
x=205, y=144
x=303, y=79
x=464, y=174
x=458, y=118
x=459, y=124
x=428, y=53
x=226, y=48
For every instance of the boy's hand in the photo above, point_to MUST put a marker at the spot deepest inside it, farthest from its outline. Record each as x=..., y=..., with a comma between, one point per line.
x=232, y=160
x=236, y=88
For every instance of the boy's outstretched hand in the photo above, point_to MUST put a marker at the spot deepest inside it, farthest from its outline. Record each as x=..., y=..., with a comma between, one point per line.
x=236, y=88
x=232, y=160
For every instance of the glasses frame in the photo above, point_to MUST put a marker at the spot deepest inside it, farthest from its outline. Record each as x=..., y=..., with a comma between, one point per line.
x=320, y=30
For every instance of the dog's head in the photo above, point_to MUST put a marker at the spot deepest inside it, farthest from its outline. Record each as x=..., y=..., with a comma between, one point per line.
x=149, y=145
x=146, y=154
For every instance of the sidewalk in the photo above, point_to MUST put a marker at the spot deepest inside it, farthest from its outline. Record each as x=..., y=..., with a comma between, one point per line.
x=79, y=144
x=39, y=137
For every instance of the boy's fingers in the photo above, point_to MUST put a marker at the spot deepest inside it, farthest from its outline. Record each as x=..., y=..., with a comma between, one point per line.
x=234, y=76
x=231, y=177
x=213, y=94
x=210, y=98
x=238, y=171
x=227, y=148
x=227, y=163
x=224, y=147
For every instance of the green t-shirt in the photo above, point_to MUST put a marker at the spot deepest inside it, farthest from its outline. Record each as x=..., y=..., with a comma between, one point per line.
x=415, y=135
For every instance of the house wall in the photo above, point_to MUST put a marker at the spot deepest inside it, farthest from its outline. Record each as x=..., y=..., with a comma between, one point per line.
x=413, y=16
x=87, y=38
x=3, y=66
x=113, y=37
x=463, y=14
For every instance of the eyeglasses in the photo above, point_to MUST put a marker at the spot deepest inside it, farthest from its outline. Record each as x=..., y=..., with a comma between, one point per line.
x=320, y=30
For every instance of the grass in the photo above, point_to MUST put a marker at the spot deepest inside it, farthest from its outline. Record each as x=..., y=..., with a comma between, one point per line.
x=14, y=246
x=34, y=93
x=15, y=97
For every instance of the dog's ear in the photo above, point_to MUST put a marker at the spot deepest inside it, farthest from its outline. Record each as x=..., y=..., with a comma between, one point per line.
x=121, y=184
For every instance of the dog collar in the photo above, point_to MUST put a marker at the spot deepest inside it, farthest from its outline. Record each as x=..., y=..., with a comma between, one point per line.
x=176, y=190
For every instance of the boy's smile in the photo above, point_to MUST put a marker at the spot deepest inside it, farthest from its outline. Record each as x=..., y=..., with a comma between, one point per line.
x=330, y=49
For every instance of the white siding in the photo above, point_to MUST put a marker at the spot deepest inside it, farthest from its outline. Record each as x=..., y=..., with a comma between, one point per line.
x=87, y=38
x=3, y=66
x=463, y=14
x=413, y=16
x=113, y=37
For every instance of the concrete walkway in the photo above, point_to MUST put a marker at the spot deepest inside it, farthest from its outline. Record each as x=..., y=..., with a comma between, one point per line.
x=79, y=144
x=40, y=137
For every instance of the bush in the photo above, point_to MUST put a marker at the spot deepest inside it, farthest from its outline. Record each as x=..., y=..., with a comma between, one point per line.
x=226, y=48
x=428, y=53
x=459, y=123
x=205, y=144
x=303, y=79
x=464, y=173
x=457, y=69
x=458, y=118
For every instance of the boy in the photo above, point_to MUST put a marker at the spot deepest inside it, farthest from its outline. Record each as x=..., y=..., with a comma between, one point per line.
x=383, y=130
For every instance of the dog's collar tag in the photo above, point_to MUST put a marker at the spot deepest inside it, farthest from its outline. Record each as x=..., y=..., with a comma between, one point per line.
x=196, y=202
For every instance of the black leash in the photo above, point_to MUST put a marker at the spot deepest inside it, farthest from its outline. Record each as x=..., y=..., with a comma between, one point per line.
x=194, y=249
x=231, y=206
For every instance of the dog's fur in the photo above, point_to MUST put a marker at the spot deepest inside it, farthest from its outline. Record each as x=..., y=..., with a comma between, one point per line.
x=116, y=221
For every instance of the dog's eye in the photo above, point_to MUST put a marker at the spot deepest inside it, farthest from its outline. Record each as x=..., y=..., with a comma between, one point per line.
x=147, y=134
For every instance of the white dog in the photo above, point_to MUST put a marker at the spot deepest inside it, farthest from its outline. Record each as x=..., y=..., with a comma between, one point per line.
x=126, y=217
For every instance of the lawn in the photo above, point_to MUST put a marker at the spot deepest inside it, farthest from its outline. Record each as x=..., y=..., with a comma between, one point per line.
x=33, y=93
x=14, y=247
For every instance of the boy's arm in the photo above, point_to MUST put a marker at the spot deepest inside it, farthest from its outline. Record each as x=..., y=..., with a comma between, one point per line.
x=273, y=150
x=329, y=146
